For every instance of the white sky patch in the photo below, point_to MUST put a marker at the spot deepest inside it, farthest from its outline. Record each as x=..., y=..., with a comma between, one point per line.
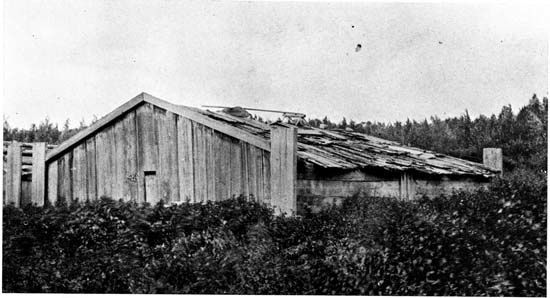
x=74, y=59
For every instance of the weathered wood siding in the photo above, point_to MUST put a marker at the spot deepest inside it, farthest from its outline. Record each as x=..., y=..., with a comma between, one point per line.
x=150, y=154
x=317, y=189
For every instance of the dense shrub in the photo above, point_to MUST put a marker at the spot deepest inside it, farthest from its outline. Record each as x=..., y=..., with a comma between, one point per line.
x=489, y=242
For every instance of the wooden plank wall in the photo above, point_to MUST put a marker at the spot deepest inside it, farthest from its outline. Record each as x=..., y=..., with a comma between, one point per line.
x=284, y=168
x=38, y=187
x=13, y=174
x=179, y=159
x=223, y=166
x=24, y=173
x=52, y=183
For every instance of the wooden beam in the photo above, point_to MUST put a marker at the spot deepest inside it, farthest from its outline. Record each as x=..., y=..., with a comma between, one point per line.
x=209, y=122
x=283, y=160
x=38, y=184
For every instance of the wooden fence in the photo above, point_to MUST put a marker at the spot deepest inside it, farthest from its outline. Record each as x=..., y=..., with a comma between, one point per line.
x=24, y=173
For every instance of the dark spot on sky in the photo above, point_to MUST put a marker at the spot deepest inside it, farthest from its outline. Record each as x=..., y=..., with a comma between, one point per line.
x=501, y=41
x=440, y=42
x=352, y=26
x=358, y=47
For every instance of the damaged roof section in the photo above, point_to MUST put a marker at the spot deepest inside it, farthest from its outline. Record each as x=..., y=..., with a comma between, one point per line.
x=339, y=149
x=352, y=150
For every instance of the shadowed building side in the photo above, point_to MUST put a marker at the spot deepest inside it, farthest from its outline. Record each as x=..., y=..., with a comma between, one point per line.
x=149, y=150
x=148, y=154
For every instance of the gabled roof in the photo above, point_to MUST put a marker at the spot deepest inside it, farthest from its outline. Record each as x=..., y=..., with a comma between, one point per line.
x=331, y=149
x=194, y=114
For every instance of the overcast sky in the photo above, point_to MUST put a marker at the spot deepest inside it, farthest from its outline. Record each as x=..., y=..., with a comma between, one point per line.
x=73, y=59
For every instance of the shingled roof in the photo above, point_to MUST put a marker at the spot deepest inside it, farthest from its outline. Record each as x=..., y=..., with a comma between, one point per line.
x=339, y=149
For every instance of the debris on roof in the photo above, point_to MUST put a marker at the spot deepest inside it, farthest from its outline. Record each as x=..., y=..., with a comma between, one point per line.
x=237, y=112
x=342, y=149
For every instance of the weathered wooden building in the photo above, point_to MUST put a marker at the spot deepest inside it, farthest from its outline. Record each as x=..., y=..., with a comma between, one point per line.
x=149, y=149
x=20, y=161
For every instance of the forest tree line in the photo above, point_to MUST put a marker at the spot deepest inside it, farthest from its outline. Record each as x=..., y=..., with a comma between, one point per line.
x=522, y=136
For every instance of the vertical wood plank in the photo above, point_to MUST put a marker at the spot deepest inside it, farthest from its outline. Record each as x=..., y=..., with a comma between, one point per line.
x=236, y=168
x=13, y=182
x=186, y=169
x=251, y=158
x=283, y=168
x=79, y=184
x=200, y=162
x=38, y=184
x=275, y=163
x=258, y=176
x=168, y=174
x=266, y=175
x=26, y=192
x=151, y=188
x=64, y=177
x=52, y=182
x=290, y=166
x=101, y=164
x=91, y=176
x=173, y=157
x=129, y=143
x=210, y=166
x=245, y=170
x=147, y=146
x=105, y=163
x=118, y=166
x=159, y=116
x=225, y=170
x=218, y=159
x=492, y=158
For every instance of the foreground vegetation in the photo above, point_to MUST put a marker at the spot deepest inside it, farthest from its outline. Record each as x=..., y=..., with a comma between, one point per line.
x=490, y=242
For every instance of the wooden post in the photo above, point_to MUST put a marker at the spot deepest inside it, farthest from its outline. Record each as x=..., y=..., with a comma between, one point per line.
x=13, y=172
x=38, y=186
x=492, y=158
x=283, y=161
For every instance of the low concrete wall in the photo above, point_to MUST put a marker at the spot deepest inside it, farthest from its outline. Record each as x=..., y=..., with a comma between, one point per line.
x=316, y=194
x=434, y=188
